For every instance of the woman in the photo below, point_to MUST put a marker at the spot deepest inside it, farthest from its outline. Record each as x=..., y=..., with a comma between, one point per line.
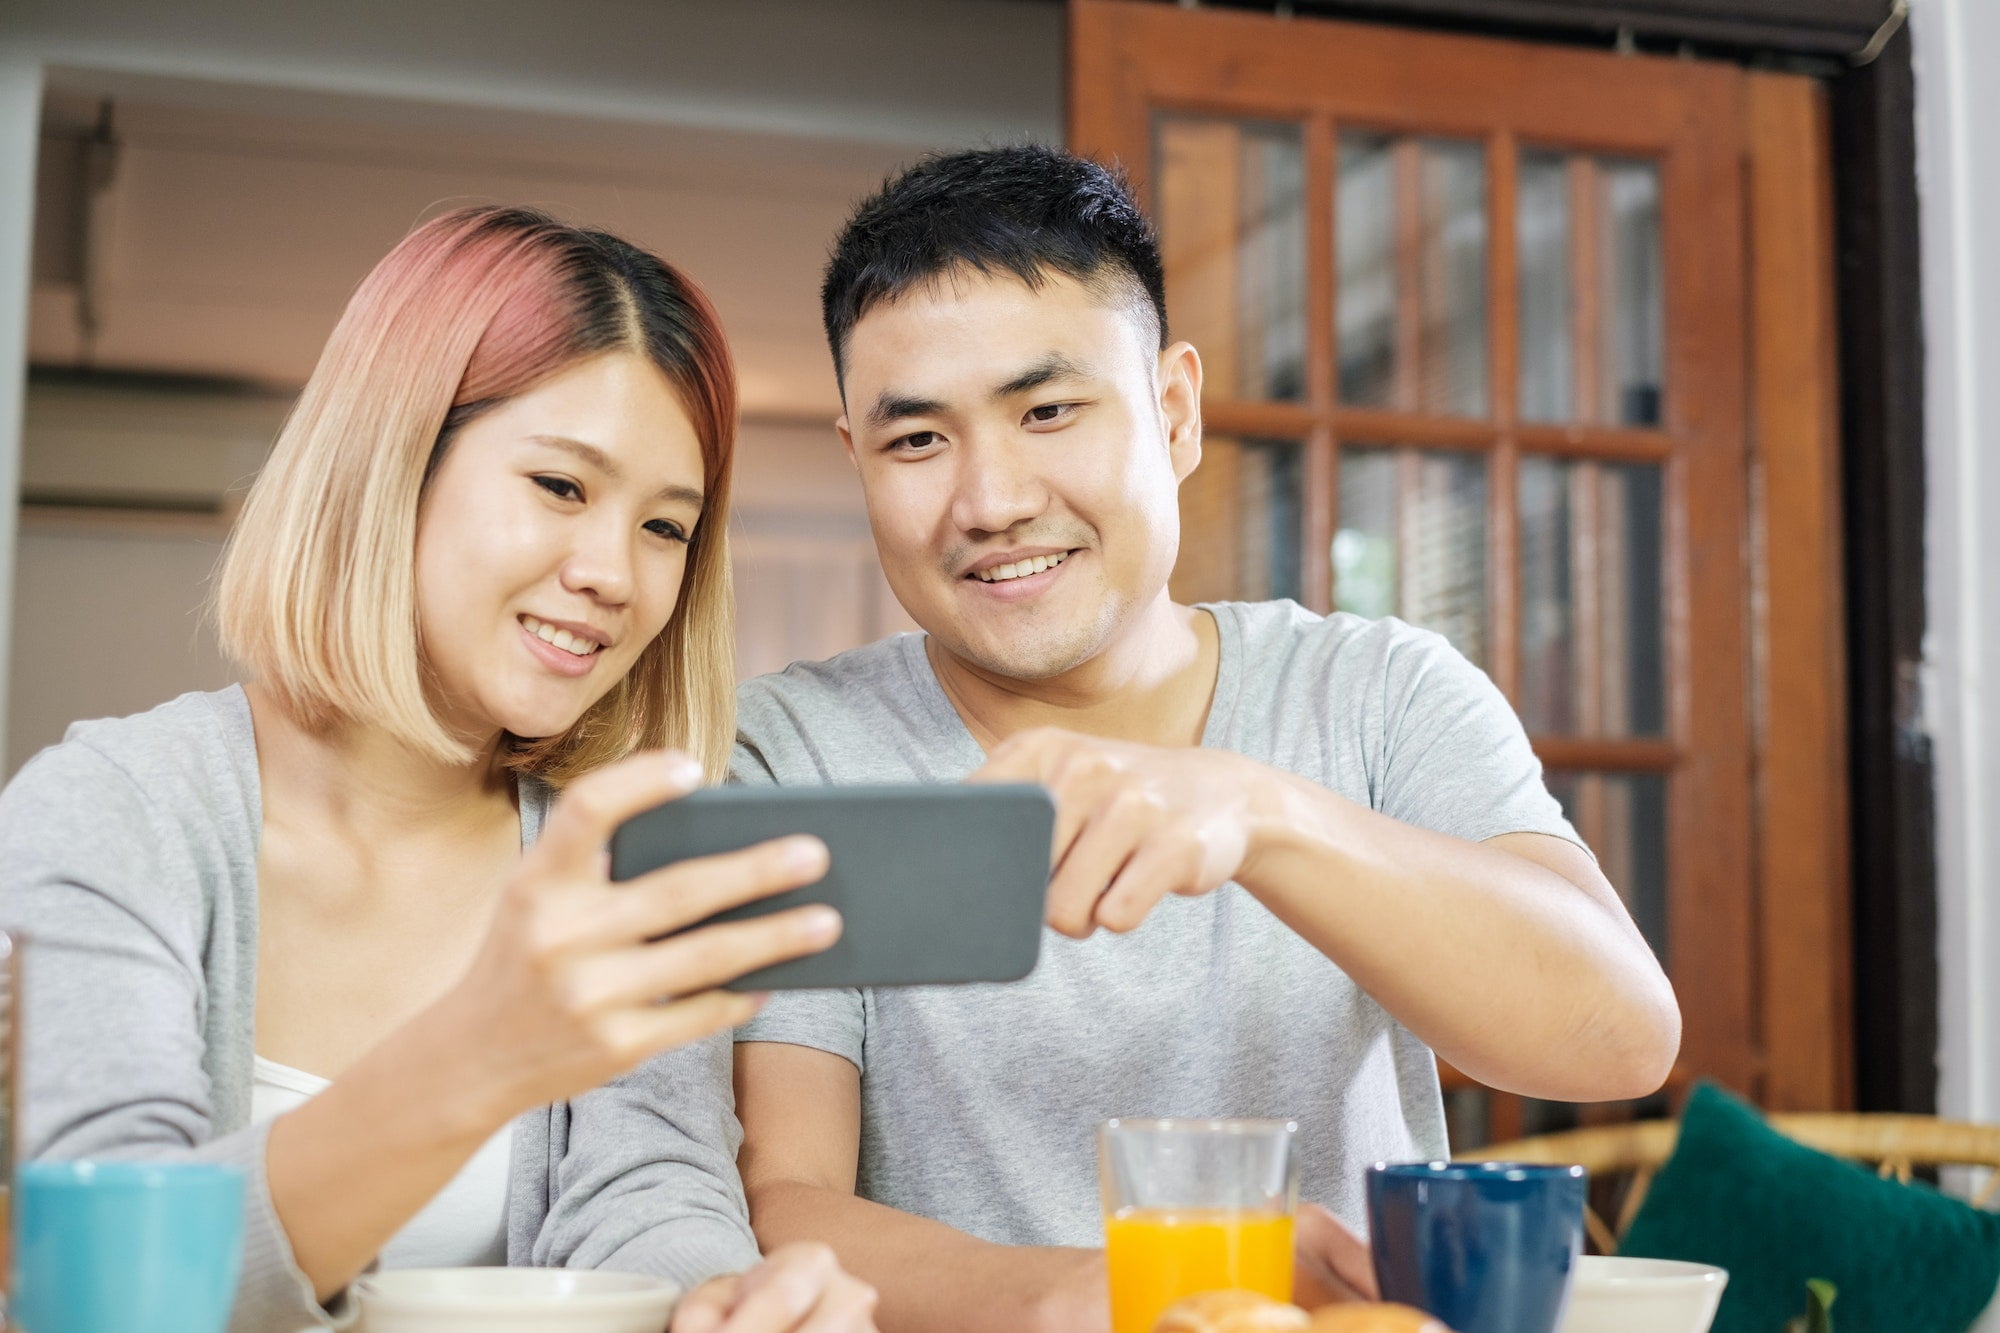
x=292, y=925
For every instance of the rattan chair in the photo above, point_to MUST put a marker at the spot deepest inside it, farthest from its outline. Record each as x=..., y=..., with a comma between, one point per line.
x=1896, y=1144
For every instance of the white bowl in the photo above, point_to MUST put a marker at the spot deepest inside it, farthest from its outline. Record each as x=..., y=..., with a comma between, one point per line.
x=1611, y=1295
x=513, y=1300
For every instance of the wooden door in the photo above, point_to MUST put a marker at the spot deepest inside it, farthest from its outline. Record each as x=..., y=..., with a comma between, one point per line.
x=1476, y=318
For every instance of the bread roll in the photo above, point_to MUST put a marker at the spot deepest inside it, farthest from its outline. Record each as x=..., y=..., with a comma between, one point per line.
x=1231, y=1312
x=1372, y=1318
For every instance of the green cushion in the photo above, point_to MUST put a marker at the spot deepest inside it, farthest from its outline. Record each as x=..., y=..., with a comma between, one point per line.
x=1738, y=1194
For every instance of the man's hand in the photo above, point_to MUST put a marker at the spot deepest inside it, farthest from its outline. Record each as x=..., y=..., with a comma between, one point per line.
x=799, y=1289
x=1331, y=1263
x=1134, y=823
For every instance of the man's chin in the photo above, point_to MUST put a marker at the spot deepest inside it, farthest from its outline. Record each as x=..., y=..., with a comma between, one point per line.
x=1041, y=659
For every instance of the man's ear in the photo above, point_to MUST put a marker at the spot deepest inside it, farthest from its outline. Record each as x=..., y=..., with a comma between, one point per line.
x=1179, y=379
x=846, y=441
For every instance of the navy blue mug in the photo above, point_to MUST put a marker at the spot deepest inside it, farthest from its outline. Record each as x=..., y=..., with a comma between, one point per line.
x=1488, y=1247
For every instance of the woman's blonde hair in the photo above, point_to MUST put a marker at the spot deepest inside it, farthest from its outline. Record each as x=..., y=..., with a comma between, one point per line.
x=316, y=595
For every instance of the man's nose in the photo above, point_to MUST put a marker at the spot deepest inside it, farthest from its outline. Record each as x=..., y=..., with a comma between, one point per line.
x=997, y=488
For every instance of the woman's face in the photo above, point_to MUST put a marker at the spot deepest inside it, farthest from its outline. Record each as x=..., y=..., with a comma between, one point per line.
x=551, y=544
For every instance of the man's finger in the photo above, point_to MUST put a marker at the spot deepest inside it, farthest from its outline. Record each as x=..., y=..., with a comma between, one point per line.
x=1156, y=869
x=1344, y=1253
x=1090, y=864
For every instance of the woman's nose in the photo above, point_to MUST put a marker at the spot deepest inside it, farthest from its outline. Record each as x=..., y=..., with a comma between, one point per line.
x=600, y=567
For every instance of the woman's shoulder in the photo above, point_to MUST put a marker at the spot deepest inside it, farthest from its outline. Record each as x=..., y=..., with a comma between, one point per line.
x=192, y=760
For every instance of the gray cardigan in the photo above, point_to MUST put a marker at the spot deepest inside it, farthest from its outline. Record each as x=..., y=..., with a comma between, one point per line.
x=128, y=857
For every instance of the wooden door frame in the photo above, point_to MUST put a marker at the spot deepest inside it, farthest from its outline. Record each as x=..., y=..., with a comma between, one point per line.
x=1795, y=916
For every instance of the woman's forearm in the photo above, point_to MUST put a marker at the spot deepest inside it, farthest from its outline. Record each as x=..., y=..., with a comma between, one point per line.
x=349, y=1168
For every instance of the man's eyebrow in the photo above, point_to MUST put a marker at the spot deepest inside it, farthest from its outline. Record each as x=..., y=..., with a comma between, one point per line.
x=603, y=462
x=1054, y=366
x=892, y=407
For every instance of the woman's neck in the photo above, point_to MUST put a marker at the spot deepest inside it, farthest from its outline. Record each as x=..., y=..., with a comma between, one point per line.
x=362, y=779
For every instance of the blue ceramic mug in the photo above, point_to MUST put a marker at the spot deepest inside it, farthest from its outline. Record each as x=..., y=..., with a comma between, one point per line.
x=114, y=1247
x=1488, y=1247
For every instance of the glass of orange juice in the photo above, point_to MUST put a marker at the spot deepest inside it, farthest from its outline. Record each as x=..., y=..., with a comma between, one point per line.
x=1195, y=1205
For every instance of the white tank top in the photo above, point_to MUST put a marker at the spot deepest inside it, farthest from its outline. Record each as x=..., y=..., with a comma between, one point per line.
x=466, y=1224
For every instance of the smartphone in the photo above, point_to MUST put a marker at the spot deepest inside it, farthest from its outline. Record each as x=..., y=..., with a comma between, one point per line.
x=936, y=885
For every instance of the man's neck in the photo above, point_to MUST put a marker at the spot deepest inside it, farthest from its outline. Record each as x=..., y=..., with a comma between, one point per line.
x=1153, y=684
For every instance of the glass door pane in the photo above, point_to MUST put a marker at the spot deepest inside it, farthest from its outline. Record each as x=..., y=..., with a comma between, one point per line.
x=1593, y=632
x=1231, y=212
x=1410, y=241
x=1242, y=519
x=1411, y=540
x=1592, y=324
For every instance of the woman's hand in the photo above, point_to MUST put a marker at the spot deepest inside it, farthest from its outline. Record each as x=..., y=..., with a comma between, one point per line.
x=573, y=985
x=799, y=1289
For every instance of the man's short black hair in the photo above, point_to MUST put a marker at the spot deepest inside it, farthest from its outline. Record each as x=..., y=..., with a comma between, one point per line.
x=1027, y=210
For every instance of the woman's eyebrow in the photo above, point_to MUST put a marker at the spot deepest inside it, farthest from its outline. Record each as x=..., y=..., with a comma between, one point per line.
x=604, y=463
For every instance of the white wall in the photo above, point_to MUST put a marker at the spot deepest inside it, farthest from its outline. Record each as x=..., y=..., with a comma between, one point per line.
x=912, y=71
x=1957, y=47
x=858, y=84
x=108, y=621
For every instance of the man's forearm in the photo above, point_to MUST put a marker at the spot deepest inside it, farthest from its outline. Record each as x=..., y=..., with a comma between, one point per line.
x=932, y=1278
x=1519, y=976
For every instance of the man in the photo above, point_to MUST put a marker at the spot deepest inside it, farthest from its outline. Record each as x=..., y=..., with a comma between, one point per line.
x=1294, y=856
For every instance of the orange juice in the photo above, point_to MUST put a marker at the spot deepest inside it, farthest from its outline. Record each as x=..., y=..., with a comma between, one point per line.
x=1159, y=1255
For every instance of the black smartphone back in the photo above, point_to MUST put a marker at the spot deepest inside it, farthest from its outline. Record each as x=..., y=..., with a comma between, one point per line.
x=935, y=884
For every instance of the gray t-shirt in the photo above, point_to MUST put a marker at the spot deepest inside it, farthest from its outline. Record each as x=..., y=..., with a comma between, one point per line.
x=979, y=1102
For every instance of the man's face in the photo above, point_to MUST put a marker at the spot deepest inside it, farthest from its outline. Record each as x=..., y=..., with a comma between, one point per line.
x=1021, y=451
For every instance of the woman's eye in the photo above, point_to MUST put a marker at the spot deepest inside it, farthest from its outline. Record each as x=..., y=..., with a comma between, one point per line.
x=1048, y=413
x=560, y=487
x=672, y=531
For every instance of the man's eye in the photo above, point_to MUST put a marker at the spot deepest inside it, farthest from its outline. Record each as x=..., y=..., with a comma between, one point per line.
x=916, y=441
x=560, y=487
x=1048, y=413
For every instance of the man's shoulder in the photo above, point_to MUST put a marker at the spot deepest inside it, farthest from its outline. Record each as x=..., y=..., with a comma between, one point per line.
x=1283, y=640
x=842, y=719
x=849, y=680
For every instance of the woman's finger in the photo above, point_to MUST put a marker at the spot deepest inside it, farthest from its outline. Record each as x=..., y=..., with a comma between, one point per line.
x=591, y=808
x=847, y=1307
x=639, y=1032
x=665, y=900
x=701, y=960
x=780, y=1292
x=703, y=1309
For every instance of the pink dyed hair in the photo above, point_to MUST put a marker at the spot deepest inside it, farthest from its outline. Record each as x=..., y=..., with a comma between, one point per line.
x=317, y=593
